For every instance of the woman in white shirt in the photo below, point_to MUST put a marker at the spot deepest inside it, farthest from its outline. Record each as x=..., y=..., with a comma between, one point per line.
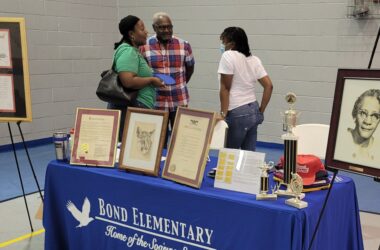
x=239, y=71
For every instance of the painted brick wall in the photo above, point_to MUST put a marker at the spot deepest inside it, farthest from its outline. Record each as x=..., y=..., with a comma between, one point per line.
x=69, y=43
x=301, y=44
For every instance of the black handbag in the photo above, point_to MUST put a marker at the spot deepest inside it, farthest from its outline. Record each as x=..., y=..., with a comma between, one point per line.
x=112, y=91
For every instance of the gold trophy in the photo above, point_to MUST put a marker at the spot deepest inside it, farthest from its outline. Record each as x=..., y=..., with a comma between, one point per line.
x=296, y=184
x=290, y=146
x=264, y=184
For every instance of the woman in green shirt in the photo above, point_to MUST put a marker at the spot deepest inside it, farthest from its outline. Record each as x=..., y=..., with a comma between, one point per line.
x=131, y=66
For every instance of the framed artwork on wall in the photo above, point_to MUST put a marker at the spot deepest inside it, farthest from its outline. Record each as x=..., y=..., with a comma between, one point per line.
x=354, y=137
x=15, y=102
x=143, y=140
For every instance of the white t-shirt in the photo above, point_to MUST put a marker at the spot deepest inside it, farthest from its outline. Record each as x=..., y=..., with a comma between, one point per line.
x=246, y=71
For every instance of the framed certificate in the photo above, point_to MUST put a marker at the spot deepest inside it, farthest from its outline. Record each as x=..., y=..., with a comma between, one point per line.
x=143, y=140
x=188, y=149
x=354, y=136
x=95, y=137
x=15, y=103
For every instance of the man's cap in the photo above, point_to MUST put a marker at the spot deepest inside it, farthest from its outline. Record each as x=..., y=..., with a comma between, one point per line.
x=307, y=167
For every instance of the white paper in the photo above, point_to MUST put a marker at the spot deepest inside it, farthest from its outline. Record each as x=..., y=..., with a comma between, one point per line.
x=5, y=52
x=7, y=98
x=239, y=170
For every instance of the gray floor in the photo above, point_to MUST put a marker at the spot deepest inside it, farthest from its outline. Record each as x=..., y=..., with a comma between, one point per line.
x=14, y=224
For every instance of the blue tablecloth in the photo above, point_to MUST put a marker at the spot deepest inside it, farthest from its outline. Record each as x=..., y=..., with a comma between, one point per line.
x=100, y=208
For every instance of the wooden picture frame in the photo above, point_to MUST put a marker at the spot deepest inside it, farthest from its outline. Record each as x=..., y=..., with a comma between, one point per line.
x=143, y=140
x=15, y=101
x=95, y=137
x=354, y=137
x=189, y=145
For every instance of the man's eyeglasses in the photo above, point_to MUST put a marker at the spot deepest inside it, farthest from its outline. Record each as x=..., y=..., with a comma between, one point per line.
x=363, y=114
x=164, y=27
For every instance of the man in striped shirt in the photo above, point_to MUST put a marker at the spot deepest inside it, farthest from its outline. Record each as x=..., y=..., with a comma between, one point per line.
x=169, y=55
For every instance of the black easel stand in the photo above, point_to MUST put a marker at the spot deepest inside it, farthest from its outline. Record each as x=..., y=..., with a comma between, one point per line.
x=19, y=175
x=336, y=170
x=30, y=162
x=377, y=179
x=19, y=172
x=324, y=206
x=374, y=48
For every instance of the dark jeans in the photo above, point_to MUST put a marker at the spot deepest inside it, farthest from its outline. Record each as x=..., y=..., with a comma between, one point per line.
x=242, y=126
x=123, y=110
x=171, y=120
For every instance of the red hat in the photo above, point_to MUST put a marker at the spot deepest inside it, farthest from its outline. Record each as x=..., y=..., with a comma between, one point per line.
x=307, y=167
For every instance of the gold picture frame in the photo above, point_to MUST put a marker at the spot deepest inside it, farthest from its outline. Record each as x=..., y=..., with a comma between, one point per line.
x=189, y=145
x=95, y=137
x=143, y=140
x=15, y=101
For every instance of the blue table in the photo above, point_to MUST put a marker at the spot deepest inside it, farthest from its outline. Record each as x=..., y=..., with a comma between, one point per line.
x=99, y=208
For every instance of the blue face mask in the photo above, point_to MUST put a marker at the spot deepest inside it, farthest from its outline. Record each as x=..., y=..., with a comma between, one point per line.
x=222, y=48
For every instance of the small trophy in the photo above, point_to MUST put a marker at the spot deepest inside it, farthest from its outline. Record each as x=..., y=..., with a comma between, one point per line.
x=290, y=145
x=296, y=184
x=264, y=184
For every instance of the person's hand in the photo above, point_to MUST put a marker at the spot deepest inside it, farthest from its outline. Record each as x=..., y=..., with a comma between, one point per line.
x=218, y=117
x=157, y=82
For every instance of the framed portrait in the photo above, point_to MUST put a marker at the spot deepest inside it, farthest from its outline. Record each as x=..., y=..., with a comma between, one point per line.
x=95, y=137
x=354, y=137
x=189, y=145
x=15, y=102
x=143, y=140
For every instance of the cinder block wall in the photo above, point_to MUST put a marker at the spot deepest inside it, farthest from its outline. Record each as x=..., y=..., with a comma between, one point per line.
x=69, y=43
x=301, y=44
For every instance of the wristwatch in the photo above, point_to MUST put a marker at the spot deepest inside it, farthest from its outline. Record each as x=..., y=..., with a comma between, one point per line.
x=222, y=114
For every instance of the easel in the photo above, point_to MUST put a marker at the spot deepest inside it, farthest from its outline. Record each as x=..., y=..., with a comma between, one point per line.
x=336, y=170
x=19, y=172
x=19, y=109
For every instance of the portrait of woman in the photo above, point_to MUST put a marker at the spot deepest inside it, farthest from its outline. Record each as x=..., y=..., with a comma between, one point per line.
x=358, y=139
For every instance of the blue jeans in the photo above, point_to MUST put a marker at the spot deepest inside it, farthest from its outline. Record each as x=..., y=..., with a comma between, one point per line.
x=242, y=126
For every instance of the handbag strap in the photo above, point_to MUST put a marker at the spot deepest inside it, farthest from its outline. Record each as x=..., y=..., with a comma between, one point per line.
x=113, y=64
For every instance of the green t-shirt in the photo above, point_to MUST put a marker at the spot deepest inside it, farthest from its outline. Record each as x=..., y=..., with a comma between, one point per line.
x=128, y=58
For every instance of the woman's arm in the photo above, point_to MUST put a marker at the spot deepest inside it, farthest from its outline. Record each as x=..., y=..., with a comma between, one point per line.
x=224, y=93
x=131, y=80
x=268, y=88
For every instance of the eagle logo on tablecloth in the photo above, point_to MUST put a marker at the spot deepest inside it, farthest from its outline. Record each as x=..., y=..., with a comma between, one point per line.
x=82, y=217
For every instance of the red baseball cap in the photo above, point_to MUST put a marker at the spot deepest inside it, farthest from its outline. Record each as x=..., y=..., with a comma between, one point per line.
x=307, y=167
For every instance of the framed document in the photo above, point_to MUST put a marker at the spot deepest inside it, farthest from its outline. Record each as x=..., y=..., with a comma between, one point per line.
x=7, y=97
x=15, y=103
x=188, y=150
x=143, y=140
x=354, y=137
x=95, y=137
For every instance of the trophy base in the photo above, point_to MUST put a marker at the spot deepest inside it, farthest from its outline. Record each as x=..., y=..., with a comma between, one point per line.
x=294, y=202
x=266, y=197
x=288, y=193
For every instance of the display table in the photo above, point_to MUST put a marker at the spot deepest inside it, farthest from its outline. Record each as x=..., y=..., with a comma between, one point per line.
x=100, y=208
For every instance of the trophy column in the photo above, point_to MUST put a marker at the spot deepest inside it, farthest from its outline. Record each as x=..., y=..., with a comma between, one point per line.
x=290, y=157
x=290, y=145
